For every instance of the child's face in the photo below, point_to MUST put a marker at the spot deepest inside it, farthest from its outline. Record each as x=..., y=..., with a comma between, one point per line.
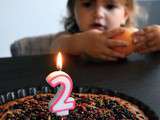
x=99, y=14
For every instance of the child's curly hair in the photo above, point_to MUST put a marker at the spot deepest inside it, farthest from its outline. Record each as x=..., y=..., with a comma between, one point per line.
x=71, y=26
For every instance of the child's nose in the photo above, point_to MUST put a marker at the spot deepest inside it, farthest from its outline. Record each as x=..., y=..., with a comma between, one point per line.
x=99, y=12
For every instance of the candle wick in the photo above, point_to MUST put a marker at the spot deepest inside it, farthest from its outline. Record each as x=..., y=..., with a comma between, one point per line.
x=59, y=68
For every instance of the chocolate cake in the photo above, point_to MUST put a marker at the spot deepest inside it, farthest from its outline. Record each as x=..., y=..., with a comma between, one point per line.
x=89, y=106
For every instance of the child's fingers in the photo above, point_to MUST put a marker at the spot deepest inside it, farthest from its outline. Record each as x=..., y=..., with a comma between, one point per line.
x=140, y=46
x=116, y=43
x=140, y=32
x=148, y=39
x=149, y=50
x=139, y=37
x=147, y=47
x=105, y=55
x=151, y=36
x=147, y=30
x=144, y=38
x=144, y=35
x=115, y=32
x=109, y=58
x=112, y=53
x=152, y=43
x=151, y=28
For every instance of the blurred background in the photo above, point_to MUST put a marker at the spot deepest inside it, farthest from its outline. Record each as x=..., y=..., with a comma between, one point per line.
x=21, y=18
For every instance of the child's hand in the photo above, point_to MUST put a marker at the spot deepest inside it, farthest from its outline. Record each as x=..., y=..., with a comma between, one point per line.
x=147, y=40
x=99, y=44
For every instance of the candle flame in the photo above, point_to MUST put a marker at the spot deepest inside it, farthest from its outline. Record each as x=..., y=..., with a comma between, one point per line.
x=59, y=61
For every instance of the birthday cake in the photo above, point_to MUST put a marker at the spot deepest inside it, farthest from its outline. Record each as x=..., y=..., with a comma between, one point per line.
x=89, y=106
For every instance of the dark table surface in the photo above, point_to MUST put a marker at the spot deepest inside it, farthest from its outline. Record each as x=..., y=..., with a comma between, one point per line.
x=138, y=76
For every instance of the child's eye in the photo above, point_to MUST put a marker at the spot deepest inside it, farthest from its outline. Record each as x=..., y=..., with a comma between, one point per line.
x=87, y=4
x=110, y=6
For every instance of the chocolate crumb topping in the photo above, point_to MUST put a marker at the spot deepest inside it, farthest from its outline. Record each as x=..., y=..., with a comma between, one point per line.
x=88, y=107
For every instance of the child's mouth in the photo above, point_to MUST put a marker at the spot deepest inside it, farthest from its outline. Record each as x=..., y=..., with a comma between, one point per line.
x=98, y=26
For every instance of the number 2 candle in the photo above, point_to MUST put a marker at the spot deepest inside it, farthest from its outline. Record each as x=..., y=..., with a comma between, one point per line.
x=62, y=102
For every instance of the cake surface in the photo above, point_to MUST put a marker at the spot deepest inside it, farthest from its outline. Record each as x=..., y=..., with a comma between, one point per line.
x=88, y=107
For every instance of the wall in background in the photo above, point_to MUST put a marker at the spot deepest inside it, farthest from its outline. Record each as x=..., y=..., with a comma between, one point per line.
x=151, y=7
x=21, y=18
